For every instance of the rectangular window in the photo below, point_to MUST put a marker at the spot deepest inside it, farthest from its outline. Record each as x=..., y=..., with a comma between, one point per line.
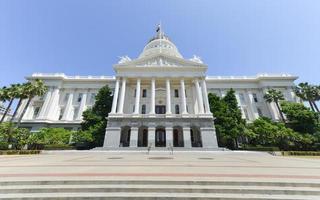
x=185, y=92
x=135, y=93
x=260, y=112
x=143, y=109
x=66, y=97
x=245, y=111
x=144, y=93
x=79, y=97
x=36, y=112
x=61, y=113
x=255, y=98
x=93, y=97
x=75, y=113
x=241, y=97
x=176, y=93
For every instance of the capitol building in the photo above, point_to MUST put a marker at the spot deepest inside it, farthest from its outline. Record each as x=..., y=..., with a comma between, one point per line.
x=160, y=99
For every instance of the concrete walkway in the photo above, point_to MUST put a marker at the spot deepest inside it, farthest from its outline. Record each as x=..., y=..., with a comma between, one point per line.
x=161, y=165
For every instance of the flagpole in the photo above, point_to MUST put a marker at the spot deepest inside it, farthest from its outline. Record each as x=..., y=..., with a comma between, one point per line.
x=160, y=37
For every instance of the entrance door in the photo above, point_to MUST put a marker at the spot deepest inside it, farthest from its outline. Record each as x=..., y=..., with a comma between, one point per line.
x=160, y=138
x=160, y=109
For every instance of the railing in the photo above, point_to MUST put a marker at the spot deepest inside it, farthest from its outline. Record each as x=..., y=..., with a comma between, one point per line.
x=160, y=115
x=249, y=77
x=62, y=75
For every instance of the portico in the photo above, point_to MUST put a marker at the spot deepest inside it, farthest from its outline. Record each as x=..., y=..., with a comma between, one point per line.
x=160, y=100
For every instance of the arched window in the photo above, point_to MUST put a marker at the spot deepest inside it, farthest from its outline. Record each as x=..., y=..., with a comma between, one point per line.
x=177, y=109
x=143, y=109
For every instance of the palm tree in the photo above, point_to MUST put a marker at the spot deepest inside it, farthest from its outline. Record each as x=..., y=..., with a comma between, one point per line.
x=308, y=93
x=275, y=96
x=8, y=94
x=21, y=94
x=37, y=88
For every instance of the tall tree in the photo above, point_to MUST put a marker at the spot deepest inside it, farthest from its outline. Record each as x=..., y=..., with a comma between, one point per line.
x=308, y=93
x=21, y=93
x=94, y=119
x=275, y=96
x=228, y=119
x=9, y=94
x=32, y=89
x=300, y=118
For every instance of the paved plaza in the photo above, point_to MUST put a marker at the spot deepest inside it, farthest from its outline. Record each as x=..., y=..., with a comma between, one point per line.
x=106, y=165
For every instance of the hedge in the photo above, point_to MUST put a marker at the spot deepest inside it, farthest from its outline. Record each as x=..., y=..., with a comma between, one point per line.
x=261, y=148
x=300, y=153
x=58, y=147
x=19, y=152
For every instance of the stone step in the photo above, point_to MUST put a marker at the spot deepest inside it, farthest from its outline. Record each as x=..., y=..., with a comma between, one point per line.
x=109, y=188
x=153, y=196
x=161, y=182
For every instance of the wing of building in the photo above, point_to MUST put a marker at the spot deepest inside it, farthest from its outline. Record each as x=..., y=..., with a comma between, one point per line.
x=160, y=99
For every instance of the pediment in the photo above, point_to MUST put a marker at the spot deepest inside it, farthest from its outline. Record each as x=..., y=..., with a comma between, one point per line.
x=161, y=60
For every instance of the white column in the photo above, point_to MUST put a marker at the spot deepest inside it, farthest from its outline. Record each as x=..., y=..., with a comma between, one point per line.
x=199, y=97
x=183, y=97
x=134, y=137
x=209, y=138
x=82, y=106
x=169, y=137
x=115, y=97
x=151, y=136
x=168, y=90
x=187, y=137
x=122, y=96
x=153, y=96
x=205, y=96
x=52, y=111
x=137, y=103
x=45, y=104
x=67, y=111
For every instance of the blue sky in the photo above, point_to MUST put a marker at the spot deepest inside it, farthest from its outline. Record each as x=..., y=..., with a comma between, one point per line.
x=233, y=37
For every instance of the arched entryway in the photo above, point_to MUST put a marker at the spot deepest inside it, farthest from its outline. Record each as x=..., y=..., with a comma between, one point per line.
x=143, y=136
x=196, y=140
x=160, y=137
x=178, y=136
x=125, y=136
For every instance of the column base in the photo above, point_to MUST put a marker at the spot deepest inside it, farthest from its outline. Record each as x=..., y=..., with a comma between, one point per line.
x=209, y=138
x=112, y=137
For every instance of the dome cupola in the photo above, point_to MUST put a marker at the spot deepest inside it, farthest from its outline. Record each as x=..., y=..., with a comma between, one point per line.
x=160, y=43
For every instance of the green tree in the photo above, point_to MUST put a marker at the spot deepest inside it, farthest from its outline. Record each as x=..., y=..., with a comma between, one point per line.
x=32, y=89
x=8, y=94
x=308, y=93
x=300, y=118
x=95, y=119
x=228, y=119
x=21, y=93
x=265, y=132
x=275, y=96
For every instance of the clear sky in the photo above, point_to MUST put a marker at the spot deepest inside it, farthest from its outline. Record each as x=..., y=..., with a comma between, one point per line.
x=233, y=37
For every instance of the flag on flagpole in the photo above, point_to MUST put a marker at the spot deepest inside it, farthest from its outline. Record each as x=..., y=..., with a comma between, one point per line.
x=158, y=28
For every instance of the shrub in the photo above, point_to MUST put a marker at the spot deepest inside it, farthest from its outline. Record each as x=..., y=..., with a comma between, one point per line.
x=58, y=147
x=301, y=153
x=3, y=145
x=260, y=148
x=22, y=152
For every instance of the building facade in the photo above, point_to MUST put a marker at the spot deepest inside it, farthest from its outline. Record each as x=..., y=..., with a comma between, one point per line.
x=160, y=99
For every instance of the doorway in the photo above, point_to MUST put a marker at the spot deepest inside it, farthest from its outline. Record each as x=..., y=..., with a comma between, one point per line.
x=160, y=137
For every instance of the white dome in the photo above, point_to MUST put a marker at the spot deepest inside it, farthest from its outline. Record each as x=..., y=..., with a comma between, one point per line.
x=160, y=44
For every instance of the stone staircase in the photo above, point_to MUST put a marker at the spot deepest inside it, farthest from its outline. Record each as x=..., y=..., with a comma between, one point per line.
x=145, y=190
